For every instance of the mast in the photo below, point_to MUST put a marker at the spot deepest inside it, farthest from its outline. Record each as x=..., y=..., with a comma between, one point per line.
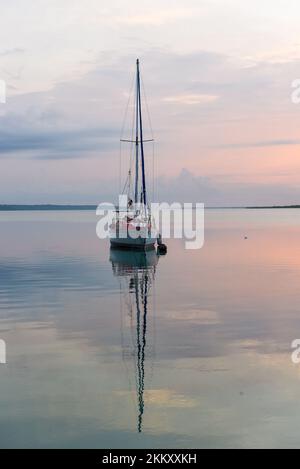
x=143, y=195
x=139, y=140
x=136, y=197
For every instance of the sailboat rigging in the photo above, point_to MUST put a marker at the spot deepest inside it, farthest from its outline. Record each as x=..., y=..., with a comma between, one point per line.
x=133, y=226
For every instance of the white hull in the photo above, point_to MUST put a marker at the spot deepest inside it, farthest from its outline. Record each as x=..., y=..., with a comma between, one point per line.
x=130, y=243
x=135, y=235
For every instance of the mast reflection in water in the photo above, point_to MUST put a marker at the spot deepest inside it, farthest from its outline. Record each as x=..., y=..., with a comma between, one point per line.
x=136, y=271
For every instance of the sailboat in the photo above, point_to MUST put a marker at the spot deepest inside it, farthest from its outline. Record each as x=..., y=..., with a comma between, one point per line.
x=133, y=225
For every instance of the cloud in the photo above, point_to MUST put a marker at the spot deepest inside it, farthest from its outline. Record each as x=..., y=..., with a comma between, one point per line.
x=55, y=143
x=13, y=51
x=200, y=102
x=185, y=187
x=259, y=144
x=156, y=17
x=191, y=99
x=188, y=187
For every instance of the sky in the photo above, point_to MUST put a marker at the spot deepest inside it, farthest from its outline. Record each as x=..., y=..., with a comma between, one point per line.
x=218, y=78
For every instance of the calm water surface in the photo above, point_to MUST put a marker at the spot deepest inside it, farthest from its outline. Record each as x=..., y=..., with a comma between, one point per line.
x=188, y=350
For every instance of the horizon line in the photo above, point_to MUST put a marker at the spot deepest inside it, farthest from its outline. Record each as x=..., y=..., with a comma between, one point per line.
x=53, y=207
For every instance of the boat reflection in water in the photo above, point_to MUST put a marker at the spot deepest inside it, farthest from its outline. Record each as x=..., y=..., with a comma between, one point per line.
x=136, y=272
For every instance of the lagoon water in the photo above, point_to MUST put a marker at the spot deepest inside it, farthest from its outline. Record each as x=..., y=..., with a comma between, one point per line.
x=188, y=350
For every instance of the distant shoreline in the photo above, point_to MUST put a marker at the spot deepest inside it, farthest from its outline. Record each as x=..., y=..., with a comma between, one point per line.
x=86, y=207
x=44, y=207
x=274, y=206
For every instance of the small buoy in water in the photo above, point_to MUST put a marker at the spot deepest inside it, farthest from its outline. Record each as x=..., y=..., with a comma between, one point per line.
x=162, y=249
